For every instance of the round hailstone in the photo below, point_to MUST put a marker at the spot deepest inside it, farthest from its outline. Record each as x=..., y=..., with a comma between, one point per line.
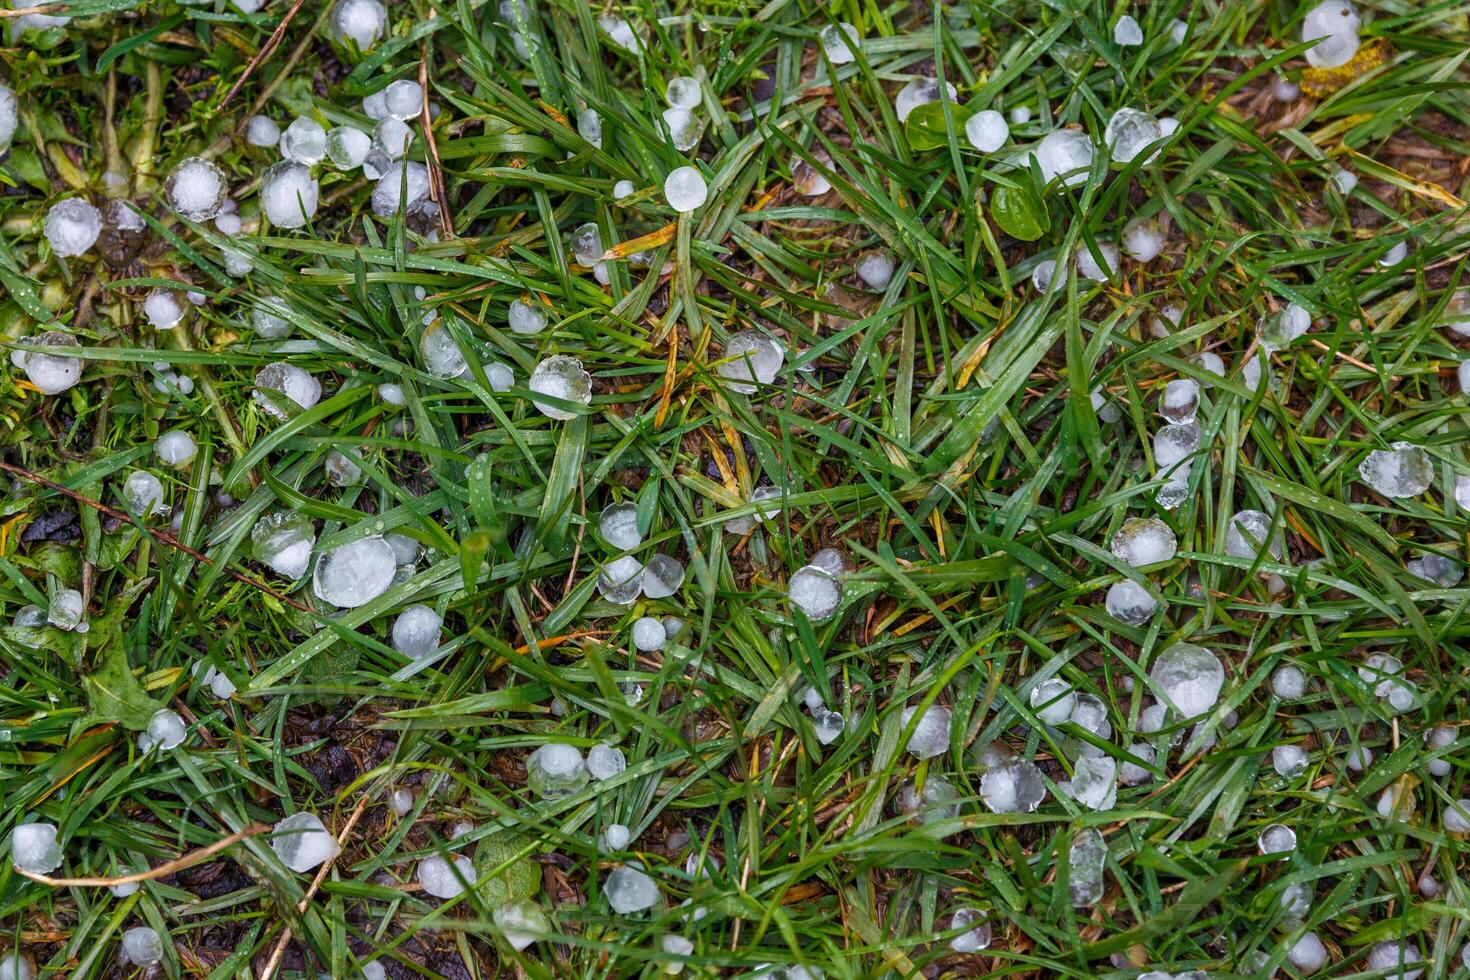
x=303, y=843
x=648, y=634
x=587, y=245
x=1278, y=330
x=556, y=770
x=1336, y=23
x=618, y=525
x=685, y=189
x=19, y=966
x=341, y=471
x=162, y=308
x=975, y=938
x=1128, y=133
x=1457, y=312
x=920, y=91
x=1128, y=602
x=1016, y=786
x=524, y=318
x=304, y=141
x=1144, y=541
x=1399, y=958
x=1043, y=274
x=1289, y=760
x=683, y=128
x=560, y=377
x=619, y=32
x=1307, y=955
x=444, y=878
x=621, y=580
x=838, y=41
x=175, y=448
x=262, y=131
x=1174, y=444
x=392, y=394
x=604, y=761
x=931, y=735
x=1143, y=239
x=1277, y=839
x=354, y=574
x=347, y=147
x=265, y=321
x=615, y=837
x=196, y=189
x=1089, y=266
x=662, y=577
x=33, y=848
x=589, y=126
x=416, y=631
x=1344, y=180
x=937, y=802
x=1288, y=682
x=1180, y=403
x=1456, y=818
x=8, y=115
x=521, y=922
x=359, y=21
x=51, y=373
x=404, y=99
x=1127, y=33
x=682, y=92
x=72, y=226
x=442, y=356
x=142, y=494
x=282, y=541
x=814, y=592
x=629, y=890
x=166, y=729
x=403, y=183
x=294, y=383
x=1403, y=470
x=66, y=609
x=1064, y=151
x=141, y=947
x=1053, y=700
x=987, y=130
x=1250, y=534
x=1396, y=254
x=1189, y=676
x=393, y=137
x=750, y=357
x=807, y=180
x=622, y=189
x=768, y=498
x=875, y=269
x=288, y=195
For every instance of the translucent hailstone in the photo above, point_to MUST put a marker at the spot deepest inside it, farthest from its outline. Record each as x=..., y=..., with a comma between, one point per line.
x=65, y=609
x=1128, y=602
x=605, y=761
x=628, y=889
x=807, y=180
x=1043, y=274
x=341, y=471
x=1276, y=839
x=163, y=309
x=1336, y=24
x=392, y=394
x=1127, y=33
x=1437, y=738
x=936, y=802
x=142, y=494
x=17, y=966
x=1457, y=312
x=621, y=580
x=618, y=525
x=1143, y=239
x=828, y=725
x=1344, y=181
x=589, y=126
x=1129, y=132
x=165, y=730
x=288, y=195
x=1252, y=373
x=283, y=541
x=1277, y=330
x=987, y=130
x=50, y=373
x=1402, y=470
x=622, y=189
x=446, y=878
x=1250, y=535
x=359, y=21
x=1211, y=362
x=619, y=32
x=1307, y=955
x=1100, y=267
x=556, y=770
x=522, y=922
x=1015, y=786
x=682, y=92
x=931, y=735
x=662, y=577
x=216, y=680
x=1190, y=677
x=587, y=245
x=1456, y=817
x=1395, y=254
x=977, y=934
x=347, y=147
x=527, y=318
x=404, y=183
x=33, y=848
x=72, y=226
x=415, y=632
x=1289, y=760
x=1180, y=403
x=768, y=500
x=1175, y=444
x=685, y=189
x=1443, y=572
x=1087, y=858
x=196, y=189
x=815, y=592
x=9, y=115
x=683, y=128
x=1064, y=151
x=920, y=91
x=175, y=448
x=1133, y=774
x=356, y=573
x=750, y=356
x=1052, y=700
x=839, y=40
x=142, y=947
x=303, y=843
x=561, y=377
x=1358, y=758
x=304, y=141
x=615, y=838
x=404, y=99
x=1288, y=682
x=876, y=268
x=262, y=131
x=294, y=383
x=1094, y=782
x=442, y=355
x=648, y=634
x=1144, y=541
x=1398, y=959
x=1020, y=115
x=266, y=321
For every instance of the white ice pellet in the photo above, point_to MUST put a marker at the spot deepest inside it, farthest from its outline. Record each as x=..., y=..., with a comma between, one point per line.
x=50, y=373
x=9, y=115
x=405, y=184
x=404, y=99
x=875, y=269
x=1127, y=33
x=1334, y=25
x=262, y=131
x=162, y=308
x=648, y=634
x=33, y=848
x=628, y=889
x=142, y=947
x=931, y=734
x=196, y=189
x=987, y=130
x=682, y=127
x=347, y=147
x=356, y=573
x=72, y=226
x=838, y=41
x=563, y=378
x=288, y=195
x=175, y=448
x=1143, y=239
x=416, y=631
x=605, y=761
x=446, y=879
x=622, y=189
x=360, y=21
x=302, y=842
x=1064, y=152
x=920, y=91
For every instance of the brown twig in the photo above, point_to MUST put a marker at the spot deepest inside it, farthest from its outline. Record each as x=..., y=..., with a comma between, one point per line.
x=45, y=8
x=157, y=535
x=436, y=170
x=274, y=962
x=265, y=52
x=167, y=868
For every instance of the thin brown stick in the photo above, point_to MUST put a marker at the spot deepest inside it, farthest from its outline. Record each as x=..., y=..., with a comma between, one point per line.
x=274, y=962
x=157, y=535
x=265, y=52
x=45, y=8
x=168, y=868
x=436, y=169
